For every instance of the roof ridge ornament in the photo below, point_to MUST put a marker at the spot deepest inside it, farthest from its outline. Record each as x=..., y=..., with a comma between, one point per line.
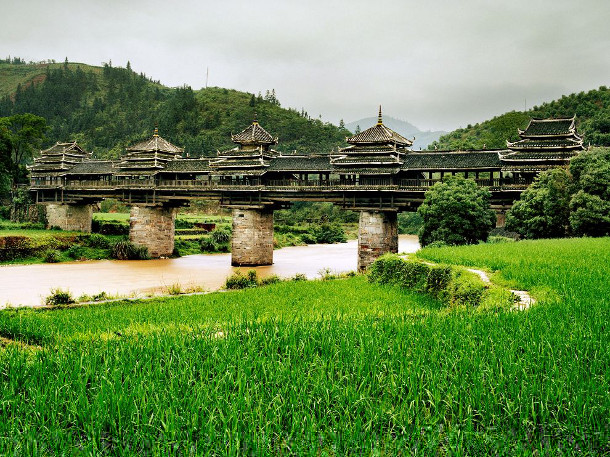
x=156, y=131
x=380, y=118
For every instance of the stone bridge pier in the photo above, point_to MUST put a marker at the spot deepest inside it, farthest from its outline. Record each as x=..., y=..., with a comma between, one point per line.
x=153, y=227
x=252, y=242
x=75, y=217
x=377, y=235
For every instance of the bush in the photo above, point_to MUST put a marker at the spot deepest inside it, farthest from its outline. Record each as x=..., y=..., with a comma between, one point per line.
x=59, y=297
x=450, y=285
x=299, y=277
x=238, y=281
x=329, y=233
x=273, y=279
x=207, y=245
x=466, y=288
x=52, y=256
x=126, y=250
x=94, y=240
x=109, y=227
x=221, y=235
x=75, y=252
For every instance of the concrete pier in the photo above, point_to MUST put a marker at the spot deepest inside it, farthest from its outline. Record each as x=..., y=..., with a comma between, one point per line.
x=252, y=242
x=70, y=217
x=377, y=235
x=153, y=227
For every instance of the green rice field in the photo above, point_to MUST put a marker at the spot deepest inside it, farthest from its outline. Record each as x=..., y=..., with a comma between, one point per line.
x=339, y=367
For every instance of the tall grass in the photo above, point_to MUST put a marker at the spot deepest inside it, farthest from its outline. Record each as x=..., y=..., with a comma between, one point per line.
x=322, y=368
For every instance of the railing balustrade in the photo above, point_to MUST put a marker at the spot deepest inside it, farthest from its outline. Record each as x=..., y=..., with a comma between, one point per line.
x=383, y=183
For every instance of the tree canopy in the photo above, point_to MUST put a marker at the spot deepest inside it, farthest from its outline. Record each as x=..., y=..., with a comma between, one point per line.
x=543, y=209
x=456, y=211
x=561, y=203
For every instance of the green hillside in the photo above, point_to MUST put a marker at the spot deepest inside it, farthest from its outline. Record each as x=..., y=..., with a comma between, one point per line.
x=107, y=108
x=592, y=111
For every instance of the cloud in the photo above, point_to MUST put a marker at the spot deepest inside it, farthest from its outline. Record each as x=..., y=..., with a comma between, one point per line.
x=439, y=64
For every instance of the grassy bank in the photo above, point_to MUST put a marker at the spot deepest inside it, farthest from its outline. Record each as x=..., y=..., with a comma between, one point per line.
x=326, y=367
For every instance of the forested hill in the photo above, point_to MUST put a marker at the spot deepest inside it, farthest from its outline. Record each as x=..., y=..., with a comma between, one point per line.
x=592, y=111
x=107, y=108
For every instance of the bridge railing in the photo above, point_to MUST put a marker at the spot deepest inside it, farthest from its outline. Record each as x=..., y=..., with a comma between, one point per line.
x=377, y=183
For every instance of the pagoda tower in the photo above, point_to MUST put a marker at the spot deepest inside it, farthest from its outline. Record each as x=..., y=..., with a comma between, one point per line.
x=544, y=144
x=374, y=152
x=55, y=162
x=146, y=158
x=251, y=156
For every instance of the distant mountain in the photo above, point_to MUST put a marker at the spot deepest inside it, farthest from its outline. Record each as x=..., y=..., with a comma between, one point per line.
x=592, y=110
x=406, y=129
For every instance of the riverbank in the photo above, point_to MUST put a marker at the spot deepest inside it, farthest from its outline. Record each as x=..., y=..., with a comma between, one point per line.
x=28, y=285
x=325, y=367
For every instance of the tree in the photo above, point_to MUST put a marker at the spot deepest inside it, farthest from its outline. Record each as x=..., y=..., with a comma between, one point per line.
x=590, y=205
x=456, y=212
x=24, y=133
x=543, y=209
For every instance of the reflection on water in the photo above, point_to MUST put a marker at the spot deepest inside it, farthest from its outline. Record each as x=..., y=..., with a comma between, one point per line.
x=29, y=284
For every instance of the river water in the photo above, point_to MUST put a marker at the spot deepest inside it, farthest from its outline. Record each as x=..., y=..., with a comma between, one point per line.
x=27, y=285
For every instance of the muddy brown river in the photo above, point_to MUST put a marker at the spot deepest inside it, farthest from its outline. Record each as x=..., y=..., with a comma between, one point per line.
x=27, y=285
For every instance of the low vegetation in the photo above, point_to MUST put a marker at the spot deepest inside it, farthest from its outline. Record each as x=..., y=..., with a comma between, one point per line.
x=324, y=367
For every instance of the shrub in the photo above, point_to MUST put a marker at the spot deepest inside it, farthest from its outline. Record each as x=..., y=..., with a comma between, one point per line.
x=438, y=280
x=308, y=238
x=109, y=227
x=238, y=281
x=52, y=256
x=221, y=235
x=450, y=285
x=329, y=233
x=126, y=250
x=207, y=245
x=299, y=277
x=59, y=297
x=273, y=279
x=466, y=289
x=75, y=252
x=95, y=240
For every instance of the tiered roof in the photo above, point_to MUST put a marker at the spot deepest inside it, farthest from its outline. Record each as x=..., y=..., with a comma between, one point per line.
x=546, y=140
x=251, y=156
x=58, y=159
x=376, y=150
x=148, y=157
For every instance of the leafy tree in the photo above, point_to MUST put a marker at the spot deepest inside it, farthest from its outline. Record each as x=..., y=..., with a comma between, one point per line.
x=543, y=209
x=456, y=212
x=20, y=136
x=590, y=205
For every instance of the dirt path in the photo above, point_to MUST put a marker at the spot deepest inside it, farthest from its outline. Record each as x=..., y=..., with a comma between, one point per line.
x=523, y=301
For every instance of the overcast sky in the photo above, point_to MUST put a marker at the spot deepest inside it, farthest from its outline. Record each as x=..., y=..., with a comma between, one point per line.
x=438, y=64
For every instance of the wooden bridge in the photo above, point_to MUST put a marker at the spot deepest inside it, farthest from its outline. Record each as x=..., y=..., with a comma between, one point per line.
x=376, y=174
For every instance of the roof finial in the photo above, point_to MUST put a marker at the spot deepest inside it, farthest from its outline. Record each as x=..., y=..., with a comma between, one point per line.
x=156, y=133
x=380, y=118
x=255, y=121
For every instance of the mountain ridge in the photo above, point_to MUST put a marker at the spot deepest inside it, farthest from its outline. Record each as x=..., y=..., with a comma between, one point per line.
x=405, y=128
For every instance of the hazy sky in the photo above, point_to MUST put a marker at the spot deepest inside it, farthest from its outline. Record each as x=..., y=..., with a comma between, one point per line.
x=438, y=64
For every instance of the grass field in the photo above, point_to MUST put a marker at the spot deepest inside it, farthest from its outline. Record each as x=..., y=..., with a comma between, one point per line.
x=323, y=368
